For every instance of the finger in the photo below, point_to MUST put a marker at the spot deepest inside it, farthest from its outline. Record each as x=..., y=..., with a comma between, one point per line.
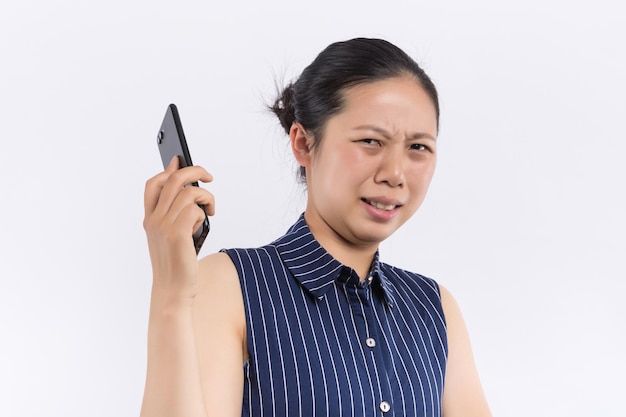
x=152, y=191
x=191, y=218
x=175, y=183
x=192, y=173
x=187, y=222
x=155, y=184
x=173, y=165
x=190, y=196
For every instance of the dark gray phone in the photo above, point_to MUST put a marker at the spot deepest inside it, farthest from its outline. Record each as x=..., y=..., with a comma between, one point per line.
x=171, y=141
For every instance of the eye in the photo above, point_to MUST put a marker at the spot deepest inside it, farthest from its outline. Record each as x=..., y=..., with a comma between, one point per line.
x=419, y=147
x=370, y=141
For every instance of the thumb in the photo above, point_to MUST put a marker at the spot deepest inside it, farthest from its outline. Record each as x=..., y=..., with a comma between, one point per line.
x=173, y=165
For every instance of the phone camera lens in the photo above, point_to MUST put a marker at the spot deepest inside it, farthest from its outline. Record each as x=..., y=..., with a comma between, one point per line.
x=160, y=137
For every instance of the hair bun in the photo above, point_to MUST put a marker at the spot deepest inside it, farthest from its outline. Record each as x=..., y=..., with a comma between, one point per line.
x=284, y=108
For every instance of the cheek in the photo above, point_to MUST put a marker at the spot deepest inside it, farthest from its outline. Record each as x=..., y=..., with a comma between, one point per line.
x=340, y=165
x=422, y=174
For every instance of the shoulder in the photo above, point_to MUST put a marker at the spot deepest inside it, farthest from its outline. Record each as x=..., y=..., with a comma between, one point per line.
x=404, y=279
x=217, y=275
x=219, y=291
x=216, y=265
x=463, y=393
x=452, y=312
x=246, y=259
x=450, y=306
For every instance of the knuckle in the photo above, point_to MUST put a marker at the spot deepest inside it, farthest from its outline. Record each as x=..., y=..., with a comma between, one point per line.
x=150, y=184
x=179, y=175
x=200, y=211
x=150, y=224
x=155, y=180
x=189, y=192
x=192, y=213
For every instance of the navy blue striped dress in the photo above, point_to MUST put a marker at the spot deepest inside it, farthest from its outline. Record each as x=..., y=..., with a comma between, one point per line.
x=321, y=343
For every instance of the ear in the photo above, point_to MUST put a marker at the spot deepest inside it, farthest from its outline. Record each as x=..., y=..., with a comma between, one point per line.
x=300, y=144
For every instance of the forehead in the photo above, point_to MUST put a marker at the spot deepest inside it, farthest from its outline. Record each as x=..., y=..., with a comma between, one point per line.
x=398, y=103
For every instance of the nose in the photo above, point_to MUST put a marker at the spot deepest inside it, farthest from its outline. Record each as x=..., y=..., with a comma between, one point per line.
x=391, y=168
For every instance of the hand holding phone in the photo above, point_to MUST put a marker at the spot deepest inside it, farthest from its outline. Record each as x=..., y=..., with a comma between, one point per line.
x=171, y=142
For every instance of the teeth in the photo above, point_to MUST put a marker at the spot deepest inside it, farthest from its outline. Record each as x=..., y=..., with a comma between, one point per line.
x=382, y=206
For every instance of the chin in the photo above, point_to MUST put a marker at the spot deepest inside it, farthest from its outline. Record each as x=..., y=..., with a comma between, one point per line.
x=376, y=235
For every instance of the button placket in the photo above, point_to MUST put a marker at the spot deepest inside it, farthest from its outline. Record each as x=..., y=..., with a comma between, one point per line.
x=363, y=302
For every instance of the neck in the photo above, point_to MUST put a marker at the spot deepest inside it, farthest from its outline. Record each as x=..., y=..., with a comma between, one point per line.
x=357, y=256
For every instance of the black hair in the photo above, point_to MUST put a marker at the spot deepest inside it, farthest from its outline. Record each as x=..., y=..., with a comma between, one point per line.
x=317, y=94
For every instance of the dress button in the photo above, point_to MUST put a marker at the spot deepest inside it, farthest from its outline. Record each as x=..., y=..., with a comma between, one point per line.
x=370, y=342
x=384, y=406
x=369, y=279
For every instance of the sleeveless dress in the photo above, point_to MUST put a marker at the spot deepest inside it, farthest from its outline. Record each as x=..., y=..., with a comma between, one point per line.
x=321, y=343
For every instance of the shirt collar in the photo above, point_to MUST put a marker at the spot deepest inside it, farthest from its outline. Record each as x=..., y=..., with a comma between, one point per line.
x=316, y=269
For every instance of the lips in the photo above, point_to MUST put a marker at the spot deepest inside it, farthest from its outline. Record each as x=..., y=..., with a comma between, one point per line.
x=381, y=205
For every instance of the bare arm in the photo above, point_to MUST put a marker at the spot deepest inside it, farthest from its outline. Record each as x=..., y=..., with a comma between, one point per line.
x=196, y=312
x=173, y=385
x=463, y=394
x=220, y=326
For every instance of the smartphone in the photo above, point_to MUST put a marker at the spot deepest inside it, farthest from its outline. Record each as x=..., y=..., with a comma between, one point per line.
x=171, y=142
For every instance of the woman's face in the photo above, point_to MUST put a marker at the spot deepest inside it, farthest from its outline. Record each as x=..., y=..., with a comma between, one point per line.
x=371, y=170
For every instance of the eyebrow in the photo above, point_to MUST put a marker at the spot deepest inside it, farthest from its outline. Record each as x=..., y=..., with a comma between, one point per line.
x=387, y=134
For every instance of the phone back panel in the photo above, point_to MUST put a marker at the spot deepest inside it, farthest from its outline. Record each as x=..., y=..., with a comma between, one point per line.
x=171, y=139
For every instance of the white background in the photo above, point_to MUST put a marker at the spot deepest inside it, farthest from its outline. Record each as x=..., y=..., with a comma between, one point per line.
x=524, y=222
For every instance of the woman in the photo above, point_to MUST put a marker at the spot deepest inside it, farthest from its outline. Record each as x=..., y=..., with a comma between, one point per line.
x=314, y=324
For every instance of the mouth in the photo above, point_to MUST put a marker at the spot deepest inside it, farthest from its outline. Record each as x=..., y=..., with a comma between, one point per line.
x=381, y=206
